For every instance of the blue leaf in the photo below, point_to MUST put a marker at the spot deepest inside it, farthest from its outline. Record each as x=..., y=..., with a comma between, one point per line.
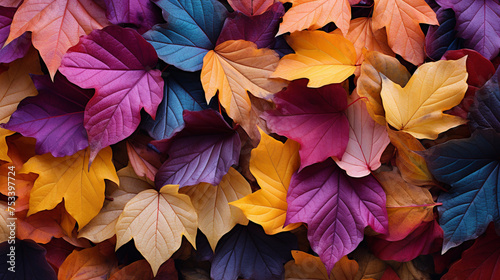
x=249, y=253
x=192, y=29
x=472, y=168
x=485, y=113
x=442, y=38
x=182, y=91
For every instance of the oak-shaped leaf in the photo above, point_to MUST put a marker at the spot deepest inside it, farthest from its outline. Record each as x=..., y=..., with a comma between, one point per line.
x=116, y=62
x=54, y=117
x=320, y=57
x=56, y=26
x=26, y=261
x=472, y=167
x=272, y=163
x=192, y=29
x=70, y=178
x=306, y=266
x=313, y=117
x=203, y=151
x=336, y=208
x=481, y=261
x=142, y=14
x=17, y=48
x=367, y=141
x=157, y=221
x=417, y=108
x=216, y=216
x=485, y=112
x=183, y=91
x=477, y=23
x=246, y=251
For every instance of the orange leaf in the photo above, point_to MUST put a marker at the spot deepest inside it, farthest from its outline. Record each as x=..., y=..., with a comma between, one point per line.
x=56, y=26
x=401, y=19
x=305, y=266
x=144, y=161
x=21, y=149
x=139, y=270
x=370, y=267
x=251, y=7
x=362, y=35
x=92, y=263
x=314, y=14
x=3, y=144
x=22, y=187
x=42, y=226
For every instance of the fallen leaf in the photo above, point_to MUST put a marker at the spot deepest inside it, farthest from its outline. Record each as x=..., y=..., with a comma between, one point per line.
x=252, y=7
x=19, y=184
x=4, y=216
x=141, y=165
x=3, y=144
x=17, y=48
x=139, y=270
x=143, y=14
x=306, y=266
x=92, y=263
x=29, y=261
x=484, y=113
x=442, y=38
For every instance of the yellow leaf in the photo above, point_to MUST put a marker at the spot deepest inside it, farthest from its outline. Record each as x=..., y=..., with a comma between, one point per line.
x=16, y=83
x=3, y=144
x=314, y=14
x=215, y=216
x=369, y=83
x=272, y=163
x=70, y=178
x=157, y=221
x=305, y=266
x=418, y=107
x=102, y=226
x=232, y=69
x=321, y=57
x=4, y=215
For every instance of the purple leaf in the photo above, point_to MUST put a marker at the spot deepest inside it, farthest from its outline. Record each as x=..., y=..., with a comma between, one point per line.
x=54, y=117
x=478, y=23
x=314, y=117
x=116, y=62
x=202, y=151
x=259, y=29
x=336, y=208
x=442, y=38
x=249, y=253
x=141, y=13
x=485, y=111
x=17, y=48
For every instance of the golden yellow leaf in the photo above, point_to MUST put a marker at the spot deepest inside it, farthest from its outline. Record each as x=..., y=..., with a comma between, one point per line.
x=157, y=221
x=102, y=226
x=321, y=57
x=70, y=178
x=3, y=144
x=418, y=107
x=272, y=163
x=369, y=83
x=215, y=216
x=232, y=69
x=16, y=83
x=314, y=14
x=306, y=266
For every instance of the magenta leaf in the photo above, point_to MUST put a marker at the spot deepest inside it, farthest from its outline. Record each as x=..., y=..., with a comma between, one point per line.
x=477, y=23
x=202, y=151
x=425, y=239
x=336, y=208
x=259, y=29
x=314, y=117
x=116, y=62
x=17, y=48
x=143, y=14
x=54, y=117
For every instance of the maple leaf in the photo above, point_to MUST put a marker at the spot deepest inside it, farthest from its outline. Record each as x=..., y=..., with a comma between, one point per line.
x=314, y=14
x=321, y=57
x=212, y=203
x=91, y=263
x=234, y=68
x=102, y=226
x=56, y=26
x=401, y=19
x=116, y=62
x=162, y=217
x=16, y=84
x=306, y=266
x=417, y=108
x=252, y=7
x=69, y=178
x=272, y=163
x=316, y=120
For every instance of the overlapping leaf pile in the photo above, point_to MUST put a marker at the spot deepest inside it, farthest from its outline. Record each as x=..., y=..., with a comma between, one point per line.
x=296, y=139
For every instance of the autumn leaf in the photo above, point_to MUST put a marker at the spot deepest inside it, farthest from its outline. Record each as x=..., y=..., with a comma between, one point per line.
x=306, y=266
x=21, y=185
x=4, y=216
x=215, y=216
x=69, y=178
x=3, y=144
x=162, y=217
x=320, y=57
x=91, y=263
x=252, y=7
x=139, y=270
x=16, y=84
x=314, y=14
x=143, y=159
x=232, y=69
x=401, y=19
x=418, y=107
x=56, y=26
x=272, y=163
